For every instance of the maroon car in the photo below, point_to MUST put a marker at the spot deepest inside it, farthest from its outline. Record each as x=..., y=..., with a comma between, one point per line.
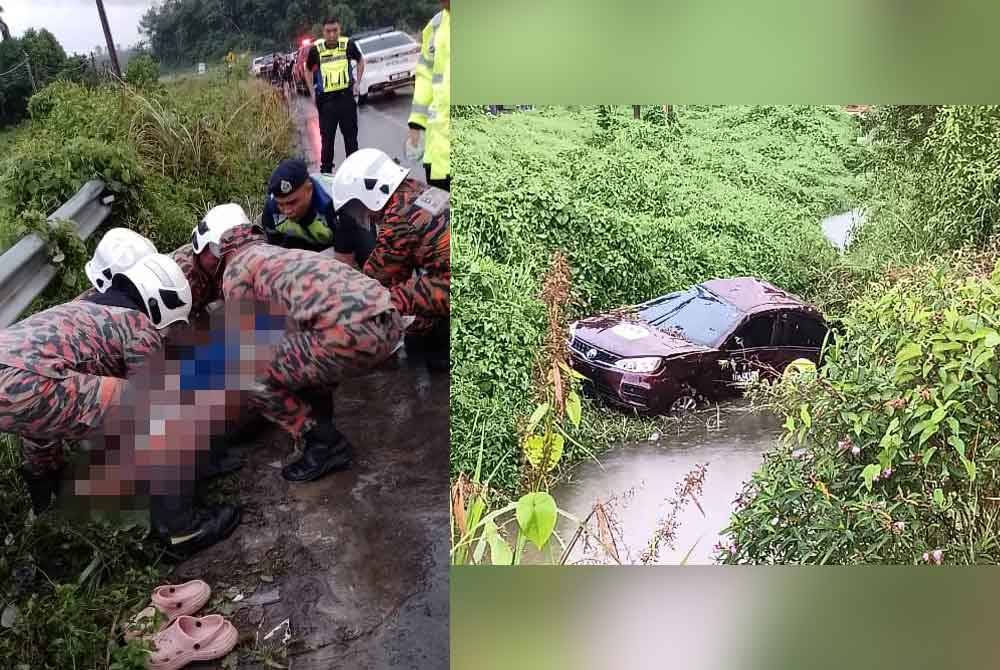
x=704, y=343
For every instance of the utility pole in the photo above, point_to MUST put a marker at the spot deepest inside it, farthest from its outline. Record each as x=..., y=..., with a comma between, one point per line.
x=31, y=77
x=107, y=37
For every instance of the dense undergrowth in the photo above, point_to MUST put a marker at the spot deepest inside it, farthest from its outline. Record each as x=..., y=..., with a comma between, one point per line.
x=891, y=453
x=640, y=208
x=167, y=152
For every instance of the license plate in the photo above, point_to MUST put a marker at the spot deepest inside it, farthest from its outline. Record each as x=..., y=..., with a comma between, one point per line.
x=398, y=76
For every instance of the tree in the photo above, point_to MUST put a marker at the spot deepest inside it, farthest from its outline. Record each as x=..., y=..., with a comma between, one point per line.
x=4, y=30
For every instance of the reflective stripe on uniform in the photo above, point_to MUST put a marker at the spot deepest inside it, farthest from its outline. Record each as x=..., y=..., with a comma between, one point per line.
x=420, y=109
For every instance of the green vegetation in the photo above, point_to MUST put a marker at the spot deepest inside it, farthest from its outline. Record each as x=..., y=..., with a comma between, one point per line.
x=168, y=153
x=891, y=450
x=187, y=31
x=640, y=208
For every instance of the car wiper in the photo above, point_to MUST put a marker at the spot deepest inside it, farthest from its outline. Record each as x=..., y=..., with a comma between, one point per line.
x=673, y=311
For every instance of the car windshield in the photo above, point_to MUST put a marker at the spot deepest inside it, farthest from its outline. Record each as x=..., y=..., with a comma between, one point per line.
x=696, y=315
x=383, y=42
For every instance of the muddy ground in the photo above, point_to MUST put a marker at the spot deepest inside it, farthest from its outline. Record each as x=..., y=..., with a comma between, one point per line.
x=356, y=563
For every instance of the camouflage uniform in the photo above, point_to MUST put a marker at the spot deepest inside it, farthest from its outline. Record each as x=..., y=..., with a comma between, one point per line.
x=61, y=369
x=412, y=239
x=340, y=323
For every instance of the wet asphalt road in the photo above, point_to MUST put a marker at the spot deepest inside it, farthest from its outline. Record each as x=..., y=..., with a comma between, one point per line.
x=381, y=124
x=357, y=562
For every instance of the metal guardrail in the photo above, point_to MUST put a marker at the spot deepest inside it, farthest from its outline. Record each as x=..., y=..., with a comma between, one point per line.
x=25, y=270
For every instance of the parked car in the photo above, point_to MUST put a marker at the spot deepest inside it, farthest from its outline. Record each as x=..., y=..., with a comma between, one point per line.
x=705, y=343
x=256, y=65
x=390, y=58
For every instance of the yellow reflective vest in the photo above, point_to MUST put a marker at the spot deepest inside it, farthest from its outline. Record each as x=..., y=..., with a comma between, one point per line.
x=432, y=94
x=334, y=71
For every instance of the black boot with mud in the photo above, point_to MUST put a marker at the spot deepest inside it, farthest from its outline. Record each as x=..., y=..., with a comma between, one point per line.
x=185, y=530
x=41, y=488
x=325, y=451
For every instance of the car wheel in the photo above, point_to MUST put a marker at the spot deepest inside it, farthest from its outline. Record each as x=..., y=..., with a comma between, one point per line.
x=687, y=401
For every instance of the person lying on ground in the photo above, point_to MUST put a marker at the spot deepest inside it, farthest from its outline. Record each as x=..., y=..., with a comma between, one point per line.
x=63, y=373
x=412, y=254
x=340, y=324
x=299, y=214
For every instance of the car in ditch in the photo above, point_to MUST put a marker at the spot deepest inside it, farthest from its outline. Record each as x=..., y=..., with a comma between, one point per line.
x=705, y=343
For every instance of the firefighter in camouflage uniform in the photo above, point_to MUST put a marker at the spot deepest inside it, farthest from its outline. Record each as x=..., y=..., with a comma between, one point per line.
x=341, y=324
x=64, y=369
x=412, y=254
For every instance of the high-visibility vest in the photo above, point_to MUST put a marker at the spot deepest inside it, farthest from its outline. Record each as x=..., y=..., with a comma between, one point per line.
x=334, y=70
x=432, y=93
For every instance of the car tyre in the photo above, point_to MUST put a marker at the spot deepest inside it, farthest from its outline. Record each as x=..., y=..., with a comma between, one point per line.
x=686, y=402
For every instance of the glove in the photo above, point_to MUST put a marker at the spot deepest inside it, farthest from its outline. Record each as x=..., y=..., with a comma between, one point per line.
x=413, y=147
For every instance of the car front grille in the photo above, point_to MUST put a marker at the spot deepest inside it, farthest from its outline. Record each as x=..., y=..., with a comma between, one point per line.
x=599, y=357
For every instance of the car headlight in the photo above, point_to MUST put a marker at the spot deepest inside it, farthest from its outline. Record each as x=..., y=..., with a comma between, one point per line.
x=648, y=364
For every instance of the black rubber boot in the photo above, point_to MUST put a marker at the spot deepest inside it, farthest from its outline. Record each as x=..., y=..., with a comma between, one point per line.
x=184, y=529
x=218, y=461
x=325, y=451
x=41, y=488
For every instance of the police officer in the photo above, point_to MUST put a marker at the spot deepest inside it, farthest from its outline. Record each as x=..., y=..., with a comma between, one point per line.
x=335, y=83
x=341, y=324
x=412, y=254
x=299, y=214
x=430, y=112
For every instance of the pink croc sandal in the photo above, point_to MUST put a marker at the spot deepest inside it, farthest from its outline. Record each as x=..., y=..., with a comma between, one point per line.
x=173, y=601
x=181, y=599
x=189, y=639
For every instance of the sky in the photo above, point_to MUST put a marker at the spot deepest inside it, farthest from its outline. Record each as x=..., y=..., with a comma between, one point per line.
x=76, y=23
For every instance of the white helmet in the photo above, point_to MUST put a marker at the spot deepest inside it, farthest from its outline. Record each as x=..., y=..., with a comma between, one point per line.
x=118, y=250
x=369, y=176
x=209, y=231
x=165, y=291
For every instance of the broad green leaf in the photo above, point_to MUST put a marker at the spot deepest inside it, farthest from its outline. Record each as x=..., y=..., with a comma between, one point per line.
x=537, y=416
x=958, y=443
x=573, y=408
x=911, y=350
x=992, y=339
x=500, y=551
x=953, y=424
x=939, y=497
x=534, y=449
x=970, y=468
x=870, y=473
x=948, y=390
x=789, y=424
x=928, y=454
x=938, y=415
x=926, y=435
x=536, y=515
x=571, y=372
x=991, y=392
x=804, y=414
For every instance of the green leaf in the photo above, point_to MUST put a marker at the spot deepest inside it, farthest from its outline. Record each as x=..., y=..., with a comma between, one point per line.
x=537, y=416
x=939, y=497
x=953, y=424
x=789, y=424
x=958, y=443
x=928, y=454
x=870, y=473
x=938, y=415
x=573, y=408
x=911, y=350
x=500, y=551
x=571, y=372
x=991, y=392
x=970, y=468
x=992, y=339
x=804, y=414
x=536, y=515
x=926, y=435
x=534, y=449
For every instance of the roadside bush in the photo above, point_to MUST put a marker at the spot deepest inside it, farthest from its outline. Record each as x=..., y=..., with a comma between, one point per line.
x=640, y=210
x=142, y=72
x=892, y=450
x=933, y=185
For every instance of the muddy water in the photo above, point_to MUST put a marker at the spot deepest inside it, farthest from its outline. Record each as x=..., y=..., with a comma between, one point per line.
x=838, y=228
x=637, y=481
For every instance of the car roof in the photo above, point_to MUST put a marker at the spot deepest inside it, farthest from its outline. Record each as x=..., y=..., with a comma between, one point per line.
x=750, y=294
